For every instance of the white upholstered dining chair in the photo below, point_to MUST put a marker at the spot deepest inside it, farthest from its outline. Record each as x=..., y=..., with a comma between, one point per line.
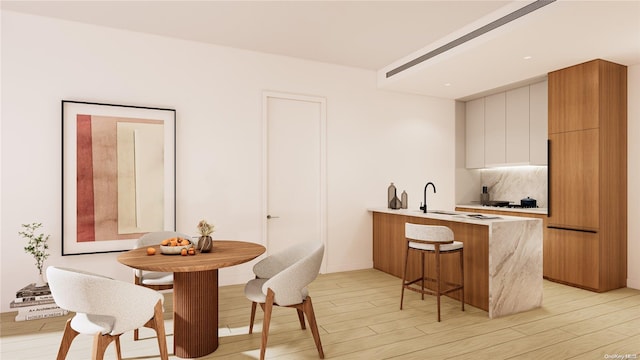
x=105, y=308
x=151, y=279
x=281, y=280
x=434, y=240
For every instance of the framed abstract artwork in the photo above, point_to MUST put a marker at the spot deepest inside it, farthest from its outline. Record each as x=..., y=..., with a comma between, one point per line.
x=118, y=175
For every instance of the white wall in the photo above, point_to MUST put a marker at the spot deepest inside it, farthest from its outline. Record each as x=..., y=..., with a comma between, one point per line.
x=374, y=137
x=633, y=177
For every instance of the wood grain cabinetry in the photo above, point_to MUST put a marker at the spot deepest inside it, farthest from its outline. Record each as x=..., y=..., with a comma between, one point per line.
x=574, y=189
x=572, y=256
x=586, y=243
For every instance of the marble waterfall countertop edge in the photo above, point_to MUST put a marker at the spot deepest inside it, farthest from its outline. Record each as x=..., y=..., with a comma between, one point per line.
x=459, y=216
x=539, y=211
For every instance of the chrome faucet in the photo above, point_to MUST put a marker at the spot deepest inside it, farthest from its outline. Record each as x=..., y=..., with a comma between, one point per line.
x=424, y=207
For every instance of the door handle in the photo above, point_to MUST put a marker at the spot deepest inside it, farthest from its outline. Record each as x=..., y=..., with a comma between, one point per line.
x=272, y=217
x=549, y=178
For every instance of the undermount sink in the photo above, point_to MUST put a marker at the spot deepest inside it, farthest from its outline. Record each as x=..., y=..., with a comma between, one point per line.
x=442, y=212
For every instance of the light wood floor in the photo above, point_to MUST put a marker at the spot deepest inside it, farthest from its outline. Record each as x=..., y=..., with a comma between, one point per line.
x=359, y=318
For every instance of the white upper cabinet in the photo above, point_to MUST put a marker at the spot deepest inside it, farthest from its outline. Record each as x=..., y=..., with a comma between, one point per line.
x=538, y=122
x=517, y=132
x=494, y=130
x=474, y=133
x=508, y=128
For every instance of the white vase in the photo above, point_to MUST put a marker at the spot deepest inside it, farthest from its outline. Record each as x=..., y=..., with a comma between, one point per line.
x=41, y=280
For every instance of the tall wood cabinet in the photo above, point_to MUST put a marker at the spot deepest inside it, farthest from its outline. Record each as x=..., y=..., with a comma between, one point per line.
x=586, y=238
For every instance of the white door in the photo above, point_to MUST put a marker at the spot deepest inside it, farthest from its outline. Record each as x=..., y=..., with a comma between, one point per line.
x=294, y=170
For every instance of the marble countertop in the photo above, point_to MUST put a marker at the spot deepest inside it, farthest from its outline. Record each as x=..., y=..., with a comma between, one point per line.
x=457, y=216
x=541, y=211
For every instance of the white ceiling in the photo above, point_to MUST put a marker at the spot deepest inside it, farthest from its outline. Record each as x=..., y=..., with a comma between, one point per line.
x=381, y=35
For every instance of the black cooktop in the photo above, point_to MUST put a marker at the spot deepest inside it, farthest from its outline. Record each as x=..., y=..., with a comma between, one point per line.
x=507, y=204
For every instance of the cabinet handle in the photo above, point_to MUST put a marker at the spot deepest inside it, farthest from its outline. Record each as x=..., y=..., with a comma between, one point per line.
x=571, y=229
x=548, y=178
x=272, y=217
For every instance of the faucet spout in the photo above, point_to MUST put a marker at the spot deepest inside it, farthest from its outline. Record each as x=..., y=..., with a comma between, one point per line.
x=424, y=207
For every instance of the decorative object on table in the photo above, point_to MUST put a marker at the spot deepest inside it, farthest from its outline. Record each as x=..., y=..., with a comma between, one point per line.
x=484, y=197
x=404, y=199
x=175, y=246
x=391, y=192
x=205, y=242
x=35, y=302
x=36, y=246
x=395, y=202
x=135, y=192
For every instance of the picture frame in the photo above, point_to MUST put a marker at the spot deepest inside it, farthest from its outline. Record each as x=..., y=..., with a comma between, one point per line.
x=118, y=175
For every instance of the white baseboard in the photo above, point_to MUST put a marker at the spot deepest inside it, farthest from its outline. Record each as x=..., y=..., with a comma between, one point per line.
x=633, y=283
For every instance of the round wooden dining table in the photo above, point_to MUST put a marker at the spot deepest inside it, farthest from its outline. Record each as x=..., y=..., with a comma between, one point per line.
x=195, y=290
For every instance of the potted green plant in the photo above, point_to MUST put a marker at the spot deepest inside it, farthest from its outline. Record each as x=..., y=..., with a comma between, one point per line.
x=205, y=242
x=36, y=246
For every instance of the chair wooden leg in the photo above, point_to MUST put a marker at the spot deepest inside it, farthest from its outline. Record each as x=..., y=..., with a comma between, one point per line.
x=157, y=324
x=268, y=307
x=118, y=349
x=253, y=316
x=404, y=276
x=67, y=338
x=301, y=318
x=311, y=316
x=136, y=335
x=462, y=278
x=100, y=344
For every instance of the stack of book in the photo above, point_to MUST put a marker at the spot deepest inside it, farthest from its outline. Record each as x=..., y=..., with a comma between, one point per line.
x=35, y=302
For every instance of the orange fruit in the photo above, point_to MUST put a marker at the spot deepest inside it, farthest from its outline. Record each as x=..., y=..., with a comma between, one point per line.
x=173, y=242
x=183, y=252
x=165, y=242
x=184, y=242
x=151, y=251
x=191, y=251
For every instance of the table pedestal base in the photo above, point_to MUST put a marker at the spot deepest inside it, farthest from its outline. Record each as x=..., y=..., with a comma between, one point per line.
x=195, y=320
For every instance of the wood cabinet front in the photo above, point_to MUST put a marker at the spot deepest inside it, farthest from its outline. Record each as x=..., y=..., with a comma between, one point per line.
x=588, y=176
x=575, y=178
x=572, y=257
x=574, y=98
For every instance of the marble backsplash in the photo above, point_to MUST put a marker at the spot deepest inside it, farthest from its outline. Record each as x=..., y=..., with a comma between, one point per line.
x=513, y=184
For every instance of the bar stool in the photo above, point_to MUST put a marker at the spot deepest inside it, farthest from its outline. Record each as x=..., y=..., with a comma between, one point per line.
x=431, y=239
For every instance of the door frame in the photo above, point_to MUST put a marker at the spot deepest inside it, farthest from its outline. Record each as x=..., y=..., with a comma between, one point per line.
x=266, y=95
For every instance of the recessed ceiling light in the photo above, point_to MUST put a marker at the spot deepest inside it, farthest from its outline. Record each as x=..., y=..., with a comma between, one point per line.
x=447, y=84
x=528, y=57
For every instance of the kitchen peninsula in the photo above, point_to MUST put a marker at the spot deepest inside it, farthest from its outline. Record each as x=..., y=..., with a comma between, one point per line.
x=502, y=256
